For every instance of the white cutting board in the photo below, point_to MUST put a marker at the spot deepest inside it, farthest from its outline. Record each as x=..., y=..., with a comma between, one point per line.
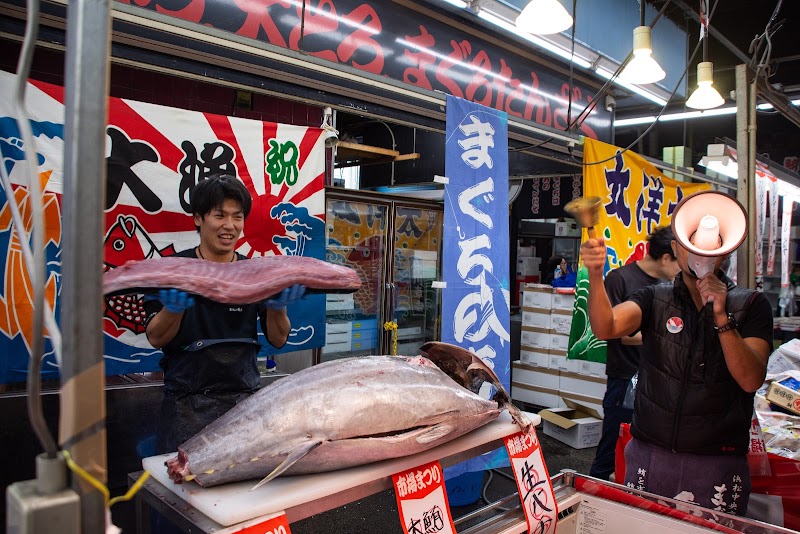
x=234, y=503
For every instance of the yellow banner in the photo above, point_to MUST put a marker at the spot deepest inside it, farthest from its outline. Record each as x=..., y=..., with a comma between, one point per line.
x=636, y=199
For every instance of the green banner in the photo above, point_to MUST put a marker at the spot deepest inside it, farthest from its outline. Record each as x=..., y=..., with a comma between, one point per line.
x=582, y=343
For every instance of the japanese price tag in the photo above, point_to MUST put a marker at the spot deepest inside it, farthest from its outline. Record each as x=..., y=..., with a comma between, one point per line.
x=422, y=500
x=274, y=525
x=533, y=482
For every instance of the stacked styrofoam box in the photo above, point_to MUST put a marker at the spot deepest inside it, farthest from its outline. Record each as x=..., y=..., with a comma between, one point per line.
x=544, y=342
x=528, y=266
x=338, y=337
x=535, y=385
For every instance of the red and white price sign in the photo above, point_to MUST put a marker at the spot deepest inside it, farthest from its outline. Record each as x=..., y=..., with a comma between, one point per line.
x=422, y=500
x=533, y=482
x=273, y=525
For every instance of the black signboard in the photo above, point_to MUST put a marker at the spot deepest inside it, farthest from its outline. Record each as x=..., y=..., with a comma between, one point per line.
x=387, y=39
x=545, y=198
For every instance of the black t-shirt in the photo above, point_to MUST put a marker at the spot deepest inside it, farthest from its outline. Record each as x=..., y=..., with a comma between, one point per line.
x=623, y=360
x=209, y=320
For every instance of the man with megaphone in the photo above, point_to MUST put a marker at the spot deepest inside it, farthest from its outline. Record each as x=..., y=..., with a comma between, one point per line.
x=705, y=345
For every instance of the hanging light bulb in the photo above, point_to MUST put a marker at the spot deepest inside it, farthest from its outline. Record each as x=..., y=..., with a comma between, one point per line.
x=543, y=17
x=642, y=69
x=705, y=96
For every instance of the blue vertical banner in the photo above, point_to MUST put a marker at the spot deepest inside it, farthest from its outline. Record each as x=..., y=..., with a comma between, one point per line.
x=476, y=299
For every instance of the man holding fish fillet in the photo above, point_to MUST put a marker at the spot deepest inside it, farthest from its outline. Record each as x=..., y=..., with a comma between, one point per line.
x=210, y=348
x=705, y=345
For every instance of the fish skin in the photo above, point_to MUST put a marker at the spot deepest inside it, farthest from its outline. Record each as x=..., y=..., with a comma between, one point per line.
x=332, y=416
x=468, y=370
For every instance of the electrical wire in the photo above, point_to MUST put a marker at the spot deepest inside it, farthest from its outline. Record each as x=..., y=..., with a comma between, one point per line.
x=663, y=109
x=39, y=267
x=102, y=488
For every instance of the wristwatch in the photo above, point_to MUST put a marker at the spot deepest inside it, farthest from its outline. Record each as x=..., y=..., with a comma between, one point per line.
x=729, y=326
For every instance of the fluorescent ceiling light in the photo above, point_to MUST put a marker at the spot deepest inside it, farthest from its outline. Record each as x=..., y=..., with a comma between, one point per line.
x=643, y=69
x=544, y=17
x=538, y=41
x=635, y=88
x=705, y=96
x=721, y=164
x=675, y=116
x=765, y=107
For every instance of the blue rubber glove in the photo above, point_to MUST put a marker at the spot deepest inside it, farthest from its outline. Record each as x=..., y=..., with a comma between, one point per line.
x=286, y=297
x=175, y=300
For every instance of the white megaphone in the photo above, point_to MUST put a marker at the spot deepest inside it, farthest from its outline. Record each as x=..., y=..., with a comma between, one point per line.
x=708, y=224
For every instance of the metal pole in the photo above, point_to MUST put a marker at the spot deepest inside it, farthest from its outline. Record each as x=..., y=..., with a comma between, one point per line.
x=745, y=192
x=83, y=408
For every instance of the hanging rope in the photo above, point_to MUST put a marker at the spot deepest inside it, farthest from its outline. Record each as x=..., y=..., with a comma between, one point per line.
x=391, y=325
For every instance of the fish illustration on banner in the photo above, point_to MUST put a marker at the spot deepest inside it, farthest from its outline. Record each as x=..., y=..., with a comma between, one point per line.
x=476, y=299
x=155, y=157
x=636, y=199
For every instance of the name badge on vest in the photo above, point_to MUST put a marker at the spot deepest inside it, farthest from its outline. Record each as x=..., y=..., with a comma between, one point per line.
x=674, y=325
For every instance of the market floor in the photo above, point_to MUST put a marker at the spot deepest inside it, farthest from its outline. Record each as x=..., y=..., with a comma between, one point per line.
x=378, y=513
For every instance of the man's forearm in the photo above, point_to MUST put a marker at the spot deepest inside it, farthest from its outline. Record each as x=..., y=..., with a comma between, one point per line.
x=277, y=327
x=163, y=327
x=745, y=363
x=601, y=317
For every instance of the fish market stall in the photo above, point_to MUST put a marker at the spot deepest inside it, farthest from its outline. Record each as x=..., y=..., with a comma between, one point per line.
x=197, y=509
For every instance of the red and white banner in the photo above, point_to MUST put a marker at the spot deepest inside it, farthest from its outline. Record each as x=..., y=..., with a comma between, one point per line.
x=422, y=500
x=155, y=157
x=533, y=482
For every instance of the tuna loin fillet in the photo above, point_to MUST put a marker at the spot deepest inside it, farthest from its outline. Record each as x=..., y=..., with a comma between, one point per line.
x=332, y=416
x=239, y=282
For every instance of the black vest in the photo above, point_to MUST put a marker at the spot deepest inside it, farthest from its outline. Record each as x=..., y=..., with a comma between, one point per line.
x=686, y=399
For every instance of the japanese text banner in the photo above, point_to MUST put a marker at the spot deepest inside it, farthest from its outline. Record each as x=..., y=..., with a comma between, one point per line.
x=636, y=199
x=155, y=156
x=476, y=301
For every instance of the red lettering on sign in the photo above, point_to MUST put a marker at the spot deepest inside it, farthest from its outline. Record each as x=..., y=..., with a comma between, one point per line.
x=367, y=24
x=319, y=19
x=481, y=65
x=259, y=19
x=420, y=60
x=502, y=83
x=460, y=51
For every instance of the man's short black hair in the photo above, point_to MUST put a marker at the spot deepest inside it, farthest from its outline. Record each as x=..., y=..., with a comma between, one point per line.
x=660, y=243
x=212, y=192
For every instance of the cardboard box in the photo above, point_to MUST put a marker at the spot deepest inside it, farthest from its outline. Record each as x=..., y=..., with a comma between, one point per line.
x=558, y=360
x=535, y=395
x=577, y=429
x=535, y=376
x=537, y=296
x=583, y=403
x=785, y=393
x=564, y=299
x=591, y=368
x=579, y=385
x=559, y=342
x=535, y=357
x=535, y=338
x=561, y=321
x=536, y=317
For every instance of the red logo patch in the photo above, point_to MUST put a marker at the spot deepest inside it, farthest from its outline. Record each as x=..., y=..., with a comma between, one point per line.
x=674, y=325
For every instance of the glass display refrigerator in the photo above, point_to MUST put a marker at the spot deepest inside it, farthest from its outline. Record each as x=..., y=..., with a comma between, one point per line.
x=394, y=244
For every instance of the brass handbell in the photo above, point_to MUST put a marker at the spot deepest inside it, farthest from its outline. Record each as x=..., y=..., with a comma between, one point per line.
x=586, y=211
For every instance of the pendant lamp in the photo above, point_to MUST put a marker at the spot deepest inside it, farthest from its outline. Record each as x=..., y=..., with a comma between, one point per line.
x=705, y=96
x=543, y=17
x=642, y=69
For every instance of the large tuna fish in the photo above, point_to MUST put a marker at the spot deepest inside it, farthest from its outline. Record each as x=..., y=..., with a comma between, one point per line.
x=344, y=413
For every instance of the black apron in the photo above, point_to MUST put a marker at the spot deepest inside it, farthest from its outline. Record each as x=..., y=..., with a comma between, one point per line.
x=201, y=383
